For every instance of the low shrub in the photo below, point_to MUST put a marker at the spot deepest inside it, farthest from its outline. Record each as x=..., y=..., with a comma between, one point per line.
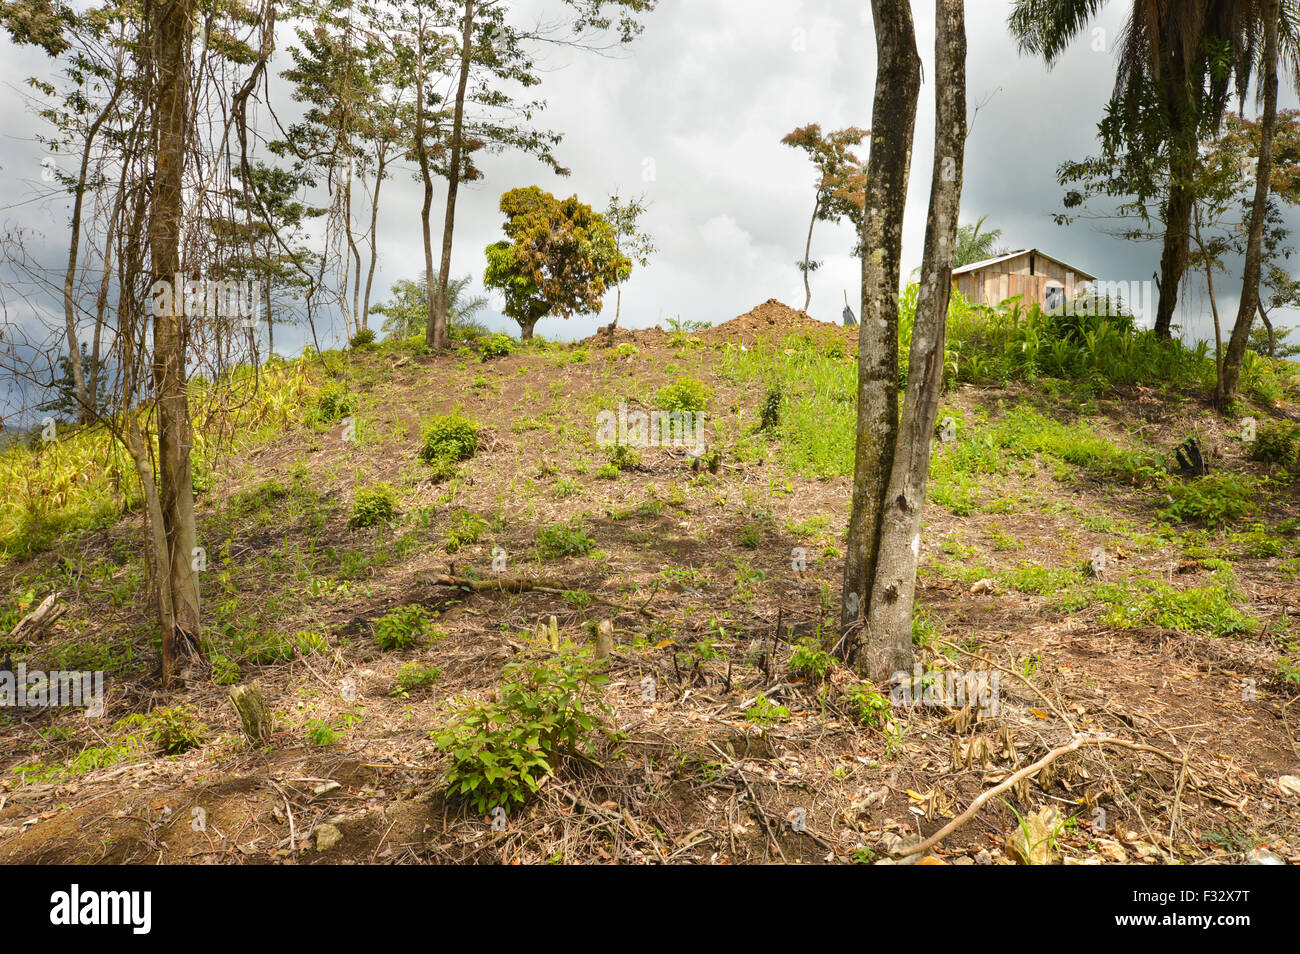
x=1276, y=444
x=684, y=394
x=544, y=710
x=363, y=339
x=373, y=506
x=175, y=729
x=495, y=346
x=564, y=540
x=401, y=628
x=448, y=440
x=1213, y=500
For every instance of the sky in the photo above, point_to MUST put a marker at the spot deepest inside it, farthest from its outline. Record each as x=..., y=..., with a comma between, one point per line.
x=691, y=116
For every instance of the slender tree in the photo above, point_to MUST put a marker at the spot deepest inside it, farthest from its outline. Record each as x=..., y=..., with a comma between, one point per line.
x=629, y=240
x=840, y=183
x=1230, y=372
x=877, y=605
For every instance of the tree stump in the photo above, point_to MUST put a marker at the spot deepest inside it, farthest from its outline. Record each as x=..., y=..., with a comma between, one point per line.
x=605, y=639
x=253, y=715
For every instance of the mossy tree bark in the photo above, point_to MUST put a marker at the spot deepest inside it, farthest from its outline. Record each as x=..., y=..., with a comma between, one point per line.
x=170, y=26
x=878, y=609
x=898, y=85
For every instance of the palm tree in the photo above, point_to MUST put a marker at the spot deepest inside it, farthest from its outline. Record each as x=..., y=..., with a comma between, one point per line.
x=1192, y=55
x=974, y=245
x=406, y=314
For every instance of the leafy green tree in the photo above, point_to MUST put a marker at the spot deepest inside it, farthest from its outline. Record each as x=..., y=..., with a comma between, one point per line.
x=625, y=217
x=841, y=182
x=406, y=313
x=560, y=258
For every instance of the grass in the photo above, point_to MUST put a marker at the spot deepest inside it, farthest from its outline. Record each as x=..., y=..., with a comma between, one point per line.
x=84, y=479
x=1208, y=610
x=815, y=426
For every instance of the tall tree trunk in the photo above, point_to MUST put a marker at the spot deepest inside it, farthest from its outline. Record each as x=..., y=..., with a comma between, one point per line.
x=170, y=27
x=1173, y=256
x=354, y=253
x=270, y=324
x=374, y=235
x=1184, y=156
x=1231, y=373
x=85, y=410
x=426, y=175
x=889, y=621
x=898, y=85
x=807, y=255
x=436, y=334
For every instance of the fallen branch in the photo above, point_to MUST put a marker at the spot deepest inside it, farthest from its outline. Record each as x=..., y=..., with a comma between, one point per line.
x=40, y=619
x=1073, y=745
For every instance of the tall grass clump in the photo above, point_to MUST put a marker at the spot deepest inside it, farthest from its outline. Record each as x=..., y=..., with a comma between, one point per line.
x=814, y=415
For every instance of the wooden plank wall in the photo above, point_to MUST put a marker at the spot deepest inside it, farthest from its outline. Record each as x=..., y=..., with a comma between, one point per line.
x=987, y=287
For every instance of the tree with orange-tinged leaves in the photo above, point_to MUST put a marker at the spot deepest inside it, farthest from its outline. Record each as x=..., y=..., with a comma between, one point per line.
x=841, y=183
x=560, y=259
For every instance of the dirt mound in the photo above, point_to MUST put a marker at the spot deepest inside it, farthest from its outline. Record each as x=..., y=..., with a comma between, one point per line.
x=607, y=337
x=772, y=320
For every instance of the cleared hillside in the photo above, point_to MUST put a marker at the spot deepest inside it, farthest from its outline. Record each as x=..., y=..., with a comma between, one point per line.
x=733, y=736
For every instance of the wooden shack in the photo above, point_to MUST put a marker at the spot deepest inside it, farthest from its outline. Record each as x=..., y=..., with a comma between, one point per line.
x=1034, y=275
